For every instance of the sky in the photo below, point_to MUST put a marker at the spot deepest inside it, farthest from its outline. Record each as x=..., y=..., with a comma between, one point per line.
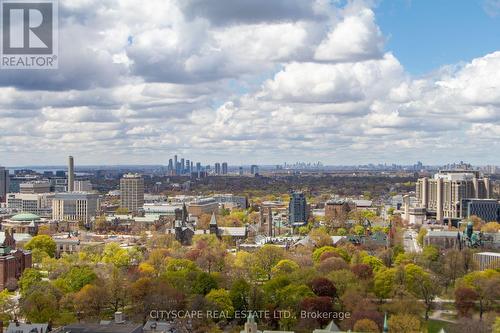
x=261, y=82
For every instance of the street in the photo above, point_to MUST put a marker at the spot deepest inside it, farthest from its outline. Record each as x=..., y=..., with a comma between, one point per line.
x=410, y=241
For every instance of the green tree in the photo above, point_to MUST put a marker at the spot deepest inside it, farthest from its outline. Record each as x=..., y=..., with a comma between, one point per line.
x=422, y=285
x=320, y=237
x=7, y=305
x=374, y=262
x=384, y=282
x=341, y=252
x=285, y=266
x=341, y=232
x=40, y=303
x=240, y=293
x=430, y=253
x=43, y=243
x=181, y=274
x=221, y=300
x=29, y=278
x=420, y=237
x=290, y=296
x=76, y=278
x=267, y=257
x=496, y=325
x=358, y=230
x=485, y=284
x=114, y=254
x=204, y=283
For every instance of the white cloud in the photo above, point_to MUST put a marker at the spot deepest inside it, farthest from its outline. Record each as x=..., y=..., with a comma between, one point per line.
x=355, y=38
x=140, y=81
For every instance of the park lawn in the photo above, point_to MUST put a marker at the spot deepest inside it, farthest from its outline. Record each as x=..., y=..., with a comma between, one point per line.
x=434, y=326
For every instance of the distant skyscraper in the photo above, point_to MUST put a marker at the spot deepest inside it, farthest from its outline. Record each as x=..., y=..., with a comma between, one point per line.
x=297, y=209
x=170, y=167
x=224, y=168
x=188, y=165
x=217, y=168
x=176, y=165
x=71, y=174
x=132, y=192
x=198, y=166
x=4, y=183
x=241, y=171
x=254, y=169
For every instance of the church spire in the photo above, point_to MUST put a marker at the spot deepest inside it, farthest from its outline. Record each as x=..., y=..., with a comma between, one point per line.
x=213, y=220
x=386, y=326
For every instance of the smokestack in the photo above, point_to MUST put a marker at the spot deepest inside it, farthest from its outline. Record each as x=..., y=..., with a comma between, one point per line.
x=270, y=226
x=71, y=174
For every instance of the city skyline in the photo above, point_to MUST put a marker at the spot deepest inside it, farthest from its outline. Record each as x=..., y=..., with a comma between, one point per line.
x=354, y=82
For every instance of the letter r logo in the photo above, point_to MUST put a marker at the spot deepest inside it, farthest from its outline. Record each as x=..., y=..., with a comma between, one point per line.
x=27, y=27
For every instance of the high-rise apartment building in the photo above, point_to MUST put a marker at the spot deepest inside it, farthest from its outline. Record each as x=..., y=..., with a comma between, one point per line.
x=254, y=169
x=71, y=174
x=297, y=209
x=444, y=193
x=224, y=168
x=75, y=206
x=132, y=192
x=4, y=183
x=217, y=168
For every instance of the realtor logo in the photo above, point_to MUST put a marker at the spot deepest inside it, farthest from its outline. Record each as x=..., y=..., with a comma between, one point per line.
x=29, y=34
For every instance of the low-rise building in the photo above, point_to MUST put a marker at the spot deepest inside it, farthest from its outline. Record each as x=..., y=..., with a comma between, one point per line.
x=66, y=244
x=82, y=186
x=17, y=327
x=487, y=260
x=23, y=223
x=203, y=206
x=234, y=201
x=338, y=208
x=35, y=187
x=35, y=203
x=443, y=239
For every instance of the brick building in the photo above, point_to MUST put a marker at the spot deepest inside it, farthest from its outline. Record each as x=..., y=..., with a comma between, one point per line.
x=13, y=261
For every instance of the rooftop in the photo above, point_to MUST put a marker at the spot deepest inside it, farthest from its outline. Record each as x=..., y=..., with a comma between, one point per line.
x=25, y=217
x=26, y=328
x=104, y=327
x=493, y=254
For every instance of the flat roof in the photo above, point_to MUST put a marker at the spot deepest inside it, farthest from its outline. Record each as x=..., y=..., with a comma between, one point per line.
x=495, y=254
